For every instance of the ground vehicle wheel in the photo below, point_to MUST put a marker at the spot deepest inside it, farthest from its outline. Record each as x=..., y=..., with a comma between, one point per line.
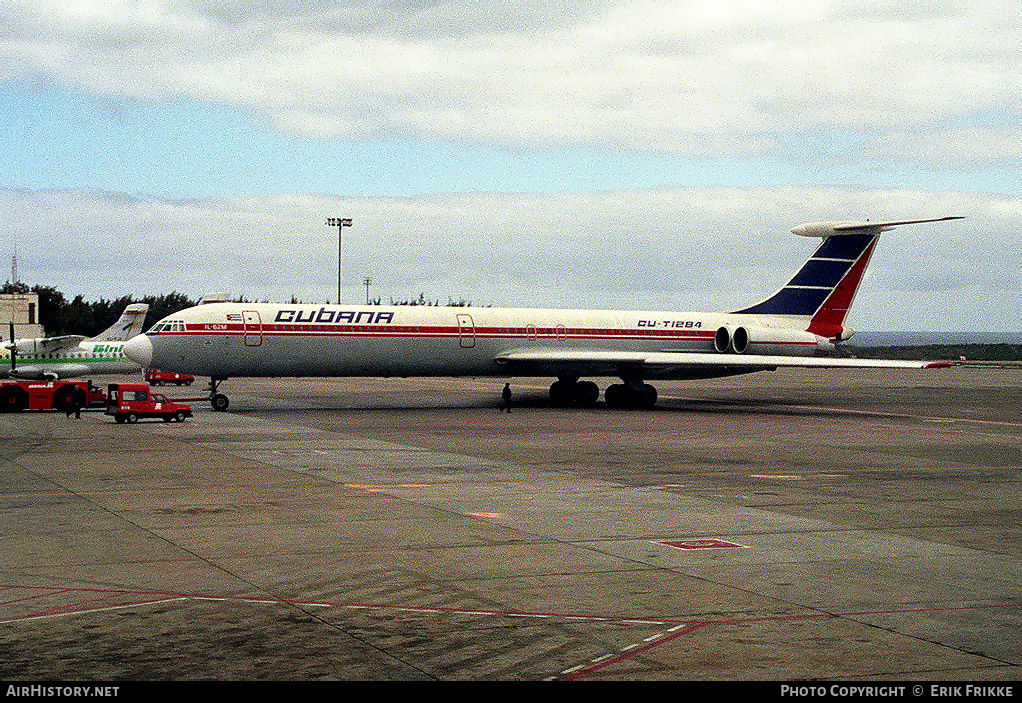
x=219, y=401
x=131, y=418
x=13, y=400
x=180, y=417
x=62, y=399
x=119, y=419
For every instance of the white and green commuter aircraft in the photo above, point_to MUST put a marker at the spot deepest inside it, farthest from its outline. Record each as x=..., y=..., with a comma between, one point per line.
x=75, y=355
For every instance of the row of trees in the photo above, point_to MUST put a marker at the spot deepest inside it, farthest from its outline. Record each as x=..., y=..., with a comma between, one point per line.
x=972, y=352
x=58, y=315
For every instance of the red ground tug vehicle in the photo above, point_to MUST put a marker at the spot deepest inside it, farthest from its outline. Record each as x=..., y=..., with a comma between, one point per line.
x=156, y=377
x=128, y=402
x=16, y=396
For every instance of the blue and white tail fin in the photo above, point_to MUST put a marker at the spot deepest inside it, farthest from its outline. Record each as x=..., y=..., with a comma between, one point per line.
x=127, y=326
x=820, y=294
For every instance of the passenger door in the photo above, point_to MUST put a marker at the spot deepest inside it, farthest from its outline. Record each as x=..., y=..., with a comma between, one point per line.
x=466, y=331
x=253, y=328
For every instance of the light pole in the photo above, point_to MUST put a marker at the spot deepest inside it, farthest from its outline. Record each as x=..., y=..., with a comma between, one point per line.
x=367, y=280
x=340, y=223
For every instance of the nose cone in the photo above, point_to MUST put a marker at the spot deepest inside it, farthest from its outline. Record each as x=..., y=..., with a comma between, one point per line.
x=140, y=350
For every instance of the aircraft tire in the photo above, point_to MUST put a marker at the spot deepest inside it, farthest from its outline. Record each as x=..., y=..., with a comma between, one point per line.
x=615, y=396
x=647, y=396
x=219, y=401
x=586, y=394
x=621, y=396
x=561, y=393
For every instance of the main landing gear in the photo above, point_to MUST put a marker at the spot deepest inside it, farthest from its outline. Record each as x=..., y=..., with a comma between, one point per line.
x=568, y=391
x=635, y=394
x=219, y=401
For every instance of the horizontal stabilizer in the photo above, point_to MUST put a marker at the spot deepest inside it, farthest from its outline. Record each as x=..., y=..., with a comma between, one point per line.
x=828, y=229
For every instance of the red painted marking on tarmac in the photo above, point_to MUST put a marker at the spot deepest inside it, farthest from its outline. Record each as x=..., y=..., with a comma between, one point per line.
x=80, y=609
x=38, y=595
x=701, y=544
x=870, y=413
x=684, y=628
x=70, y=607
x=113, y=593
x=638, y=650
x=579, y=672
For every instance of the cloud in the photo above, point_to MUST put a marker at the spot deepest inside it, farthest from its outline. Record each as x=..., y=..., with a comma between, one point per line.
x=706, y=79
x=675, y=249
x=960, y=148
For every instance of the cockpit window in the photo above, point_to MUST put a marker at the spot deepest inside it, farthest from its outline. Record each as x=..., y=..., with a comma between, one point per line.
x=168, y=326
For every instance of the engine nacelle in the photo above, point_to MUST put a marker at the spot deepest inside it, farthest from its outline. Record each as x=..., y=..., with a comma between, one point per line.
x=722, y=340
x=768, y=340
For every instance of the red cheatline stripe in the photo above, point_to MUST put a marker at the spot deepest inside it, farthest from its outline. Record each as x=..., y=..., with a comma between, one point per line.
x=479, y=333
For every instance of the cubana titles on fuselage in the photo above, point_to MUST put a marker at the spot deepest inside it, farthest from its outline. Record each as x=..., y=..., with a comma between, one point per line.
x=796, y=326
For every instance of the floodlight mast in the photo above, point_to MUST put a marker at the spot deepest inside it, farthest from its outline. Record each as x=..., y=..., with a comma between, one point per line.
x=340, y=223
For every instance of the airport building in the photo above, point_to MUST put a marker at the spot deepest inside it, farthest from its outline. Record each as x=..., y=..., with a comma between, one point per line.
x=23, y=310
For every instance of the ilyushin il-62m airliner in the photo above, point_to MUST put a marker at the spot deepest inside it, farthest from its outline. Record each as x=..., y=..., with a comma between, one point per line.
x=795, y=327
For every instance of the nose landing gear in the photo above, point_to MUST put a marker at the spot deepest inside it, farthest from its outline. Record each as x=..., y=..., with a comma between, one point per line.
x=218, y=401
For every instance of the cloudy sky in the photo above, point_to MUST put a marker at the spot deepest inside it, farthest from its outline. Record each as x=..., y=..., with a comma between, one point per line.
x=571, y=153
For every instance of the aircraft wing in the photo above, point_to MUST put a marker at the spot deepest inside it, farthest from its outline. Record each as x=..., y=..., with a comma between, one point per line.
x=55, y=371
x=667, y=364
x=49, y=344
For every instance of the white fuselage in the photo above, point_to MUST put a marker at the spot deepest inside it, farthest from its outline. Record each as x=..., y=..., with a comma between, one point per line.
x=787, y=329
x=247, y=339
x=85, y=358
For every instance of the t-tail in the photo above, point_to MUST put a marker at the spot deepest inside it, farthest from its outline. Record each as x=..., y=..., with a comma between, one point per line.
x=819, y=296
x=127, y=326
